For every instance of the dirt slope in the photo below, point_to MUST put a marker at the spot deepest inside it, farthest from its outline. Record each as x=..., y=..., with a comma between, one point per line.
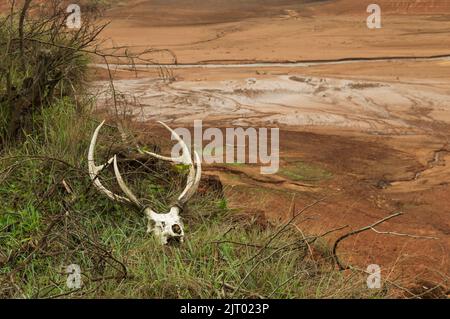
x=403, y=7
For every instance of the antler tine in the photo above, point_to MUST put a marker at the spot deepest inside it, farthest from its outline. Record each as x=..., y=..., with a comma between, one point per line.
x=184, y=158
x=123, y=186
x=165, y=158
x=95, y=170
x=195, y=173
x=193, y=180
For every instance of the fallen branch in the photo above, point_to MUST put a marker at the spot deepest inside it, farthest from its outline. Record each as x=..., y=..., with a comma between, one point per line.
x=370, y=227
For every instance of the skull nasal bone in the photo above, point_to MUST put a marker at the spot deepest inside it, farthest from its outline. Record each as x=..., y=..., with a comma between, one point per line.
x=176, y=229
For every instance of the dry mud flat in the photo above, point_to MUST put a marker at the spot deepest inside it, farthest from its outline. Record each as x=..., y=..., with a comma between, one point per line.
x=295, y=100
x=371, y=137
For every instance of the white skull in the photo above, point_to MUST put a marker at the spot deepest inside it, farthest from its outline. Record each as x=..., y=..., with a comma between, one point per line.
x=166, y=227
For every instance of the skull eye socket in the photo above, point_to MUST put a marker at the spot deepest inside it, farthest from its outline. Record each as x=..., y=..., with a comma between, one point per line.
x=176, y=229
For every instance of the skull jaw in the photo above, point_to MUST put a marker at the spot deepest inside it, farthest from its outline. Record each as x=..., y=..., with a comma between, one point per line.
x=164, y=237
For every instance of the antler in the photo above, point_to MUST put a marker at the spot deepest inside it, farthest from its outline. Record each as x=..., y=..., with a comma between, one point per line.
x=193, y=179
x=95, y=170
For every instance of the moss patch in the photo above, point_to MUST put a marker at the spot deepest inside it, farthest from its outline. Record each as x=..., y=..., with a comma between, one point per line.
x=301, y=171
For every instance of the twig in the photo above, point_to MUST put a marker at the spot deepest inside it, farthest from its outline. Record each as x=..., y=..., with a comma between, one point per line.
x=285, y=226
x=401, y=234
x=336, y=243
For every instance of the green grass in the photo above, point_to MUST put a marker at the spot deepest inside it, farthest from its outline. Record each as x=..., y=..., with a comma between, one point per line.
x=16, y=225
x=305, y=172
x=218, y=260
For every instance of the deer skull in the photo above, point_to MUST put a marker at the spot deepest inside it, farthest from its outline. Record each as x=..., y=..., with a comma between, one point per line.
x=167, y=227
